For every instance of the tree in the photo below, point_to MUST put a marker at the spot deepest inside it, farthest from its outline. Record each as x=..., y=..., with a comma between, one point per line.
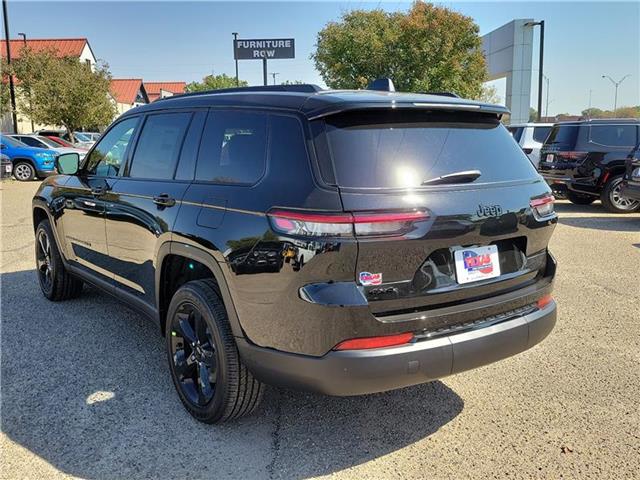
x=63, y=91
x=533, y=114
x=215, y=82
x=489, y=94
x=429, y=48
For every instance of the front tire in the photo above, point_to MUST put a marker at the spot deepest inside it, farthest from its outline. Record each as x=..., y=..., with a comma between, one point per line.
x=24, y=172
x=210, y=378
x=56, y=282
x=579, y=198
x=613, y=201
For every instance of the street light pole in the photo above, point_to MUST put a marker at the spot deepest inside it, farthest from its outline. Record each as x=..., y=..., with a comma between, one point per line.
x=546, y=108
x=24, y=41
x=617, y=84
x=12, y=91
x=273, y=74
x=541, y=62
x=235, y=38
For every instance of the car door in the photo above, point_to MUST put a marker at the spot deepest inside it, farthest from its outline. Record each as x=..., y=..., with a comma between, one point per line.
x=147, y=199
x=83, y=198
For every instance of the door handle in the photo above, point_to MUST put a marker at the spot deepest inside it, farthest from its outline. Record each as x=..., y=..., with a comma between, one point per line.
x=164, y=200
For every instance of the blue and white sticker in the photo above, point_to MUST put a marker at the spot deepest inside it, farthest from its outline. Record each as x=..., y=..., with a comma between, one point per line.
x=368, y=278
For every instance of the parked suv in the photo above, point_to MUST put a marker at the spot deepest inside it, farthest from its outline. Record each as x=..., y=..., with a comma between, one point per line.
x=530, y=136
x=631, y=181
x=29, y=163
x=345, y=242
x=586, y=160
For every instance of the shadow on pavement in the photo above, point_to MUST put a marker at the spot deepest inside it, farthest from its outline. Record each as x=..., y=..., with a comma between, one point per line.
x=612, y=223
x=85, y=386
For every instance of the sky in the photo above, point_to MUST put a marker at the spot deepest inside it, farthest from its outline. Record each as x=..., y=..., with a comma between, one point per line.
x=172, y=41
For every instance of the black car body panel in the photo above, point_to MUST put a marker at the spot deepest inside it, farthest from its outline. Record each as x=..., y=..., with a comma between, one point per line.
x=578, y=161
x=302, y=294
x=631, y=183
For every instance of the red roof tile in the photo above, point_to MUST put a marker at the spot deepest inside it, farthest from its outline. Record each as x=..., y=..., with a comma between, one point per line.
x=62, y=47
x=153, y=88
x=125, y=90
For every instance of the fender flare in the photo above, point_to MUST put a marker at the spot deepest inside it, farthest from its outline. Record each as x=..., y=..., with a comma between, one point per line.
x=205, y=258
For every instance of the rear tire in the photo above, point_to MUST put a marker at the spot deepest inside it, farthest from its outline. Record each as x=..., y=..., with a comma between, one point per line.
x=579, y=198
x=56, y=282
x=212, y=382
x=24, y=171
x=613, y=201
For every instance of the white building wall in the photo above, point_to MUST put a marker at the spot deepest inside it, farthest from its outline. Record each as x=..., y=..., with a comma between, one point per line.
x=509, y=52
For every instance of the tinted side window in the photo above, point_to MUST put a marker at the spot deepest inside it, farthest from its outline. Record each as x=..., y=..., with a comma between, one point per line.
x=159, y=145
x=233, y=147
x=613, y=135
x=32, y=142
x=107, y=156
x=189, y=154
x=540, y=134
x=563, y=137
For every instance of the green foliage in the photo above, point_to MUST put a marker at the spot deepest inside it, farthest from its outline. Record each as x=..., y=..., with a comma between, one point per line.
x=215, y=82
x=622, y=112
x=488, y=94
x=429, y=48
x=533, y=114
x=63, y=91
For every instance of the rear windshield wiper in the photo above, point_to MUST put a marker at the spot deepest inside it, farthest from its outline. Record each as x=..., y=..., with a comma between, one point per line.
x=466, y=176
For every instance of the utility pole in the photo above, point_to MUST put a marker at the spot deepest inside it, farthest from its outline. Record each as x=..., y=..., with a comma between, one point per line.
x=541, y=62
x=24, y=41
x=264, y=71
x=617, y=84
x=273, y=74
x=235, y=38
x=546, y=108
x=12, y=92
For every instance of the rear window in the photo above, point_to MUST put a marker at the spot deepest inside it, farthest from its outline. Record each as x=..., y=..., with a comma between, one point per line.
x=563, y=137
x=401, y=149
x=540, y=134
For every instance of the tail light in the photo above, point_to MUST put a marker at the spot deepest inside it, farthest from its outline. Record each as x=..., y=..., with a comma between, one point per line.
x=570, y=156
x=360, y=224
x=544, y=301
x=543, y=207
x=375, y=342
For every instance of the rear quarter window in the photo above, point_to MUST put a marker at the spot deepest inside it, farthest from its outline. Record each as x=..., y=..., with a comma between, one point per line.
x=516, y=132
x=402, y=149
x=613, y=135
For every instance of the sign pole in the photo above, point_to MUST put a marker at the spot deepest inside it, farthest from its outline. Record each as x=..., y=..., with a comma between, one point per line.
x=264, y=70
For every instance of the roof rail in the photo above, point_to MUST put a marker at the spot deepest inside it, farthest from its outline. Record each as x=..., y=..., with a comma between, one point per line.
x=299, y=88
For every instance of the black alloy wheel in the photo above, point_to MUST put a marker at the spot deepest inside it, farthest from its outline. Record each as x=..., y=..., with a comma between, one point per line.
x=212, y=382
x=44, y=261
x=193, y=354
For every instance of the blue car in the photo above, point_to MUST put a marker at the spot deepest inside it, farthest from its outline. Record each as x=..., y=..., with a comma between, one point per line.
x=29, y=163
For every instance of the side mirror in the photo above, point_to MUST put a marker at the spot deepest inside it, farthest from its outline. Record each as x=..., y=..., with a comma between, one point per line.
x=68, y=163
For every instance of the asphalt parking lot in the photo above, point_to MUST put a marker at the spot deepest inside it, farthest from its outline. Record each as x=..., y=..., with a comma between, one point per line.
x=86, y=390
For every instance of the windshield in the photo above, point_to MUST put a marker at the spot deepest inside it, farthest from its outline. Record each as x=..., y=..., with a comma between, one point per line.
x=82, y=137
x=401, y=149
x=48, y=142
x=13, y=142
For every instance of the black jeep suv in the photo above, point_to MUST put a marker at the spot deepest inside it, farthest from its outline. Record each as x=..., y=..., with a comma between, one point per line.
x=345, y=242
x=585, y=161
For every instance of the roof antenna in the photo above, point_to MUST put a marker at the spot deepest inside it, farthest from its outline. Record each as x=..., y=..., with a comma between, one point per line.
x=382, y=84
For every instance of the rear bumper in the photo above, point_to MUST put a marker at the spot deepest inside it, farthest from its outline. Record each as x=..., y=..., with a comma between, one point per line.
x=579, y=185
x=359, y=372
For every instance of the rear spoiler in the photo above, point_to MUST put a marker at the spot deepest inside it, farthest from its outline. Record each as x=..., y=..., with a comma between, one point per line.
x=471, y=106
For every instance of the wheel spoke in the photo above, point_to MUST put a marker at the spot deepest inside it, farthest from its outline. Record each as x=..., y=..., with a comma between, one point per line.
x=184, y=369
x=200, y=327
x=185, y=327
x=41, y=240
x=204, y=385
